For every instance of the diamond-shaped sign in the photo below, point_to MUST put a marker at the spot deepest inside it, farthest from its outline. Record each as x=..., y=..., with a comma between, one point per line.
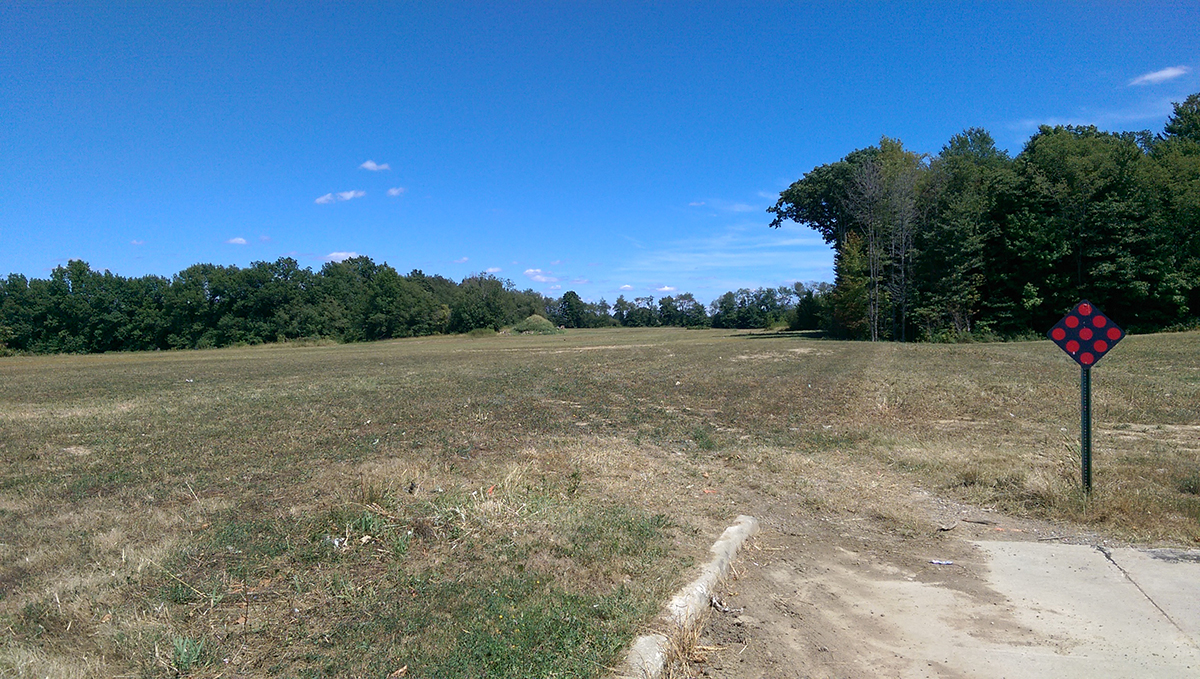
x=1086, y=334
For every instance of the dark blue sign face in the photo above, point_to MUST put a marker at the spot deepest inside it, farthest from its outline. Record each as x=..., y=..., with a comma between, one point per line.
x=1086, y=334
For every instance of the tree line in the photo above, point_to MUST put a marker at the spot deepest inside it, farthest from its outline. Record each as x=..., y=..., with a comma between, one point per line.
x=972, y=242
x=82, y=310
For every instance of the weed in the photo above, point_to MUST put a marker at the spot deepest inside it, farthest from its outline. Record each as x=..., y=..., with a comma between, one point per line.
x=187, y=654
x=1189, y=484
x=703, y=439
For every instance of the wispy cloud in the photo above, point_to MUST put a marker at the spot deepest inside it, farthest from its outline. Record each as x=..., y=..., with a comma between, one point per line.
x=666, y=288
x=137, y=242
x=540, y=276
x=580, y=281
x=236, y=241
x=1156, y=77
x=339, y=196
x=724, y=205
x=556, y=262
x=736, y=256
x=340, y=256
x=374, y=167
x=735, y=207
x=396, y=191
x=1155, y=110
x=493, y=269
x=556, y=287
x=461, y=260
x=264, y=239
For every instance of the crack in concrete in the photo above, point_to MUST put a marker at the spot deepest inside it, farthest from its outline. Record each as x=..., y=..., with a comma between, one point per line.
x=1108, y=555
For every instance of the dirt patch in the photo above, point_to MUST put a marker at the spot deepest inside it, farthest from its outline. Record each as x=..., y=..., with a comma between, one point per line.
x=824, y=594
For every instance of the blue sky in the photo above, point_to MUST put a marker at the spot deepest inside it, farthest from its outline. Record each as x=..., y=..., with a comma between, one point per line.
x=605, y=147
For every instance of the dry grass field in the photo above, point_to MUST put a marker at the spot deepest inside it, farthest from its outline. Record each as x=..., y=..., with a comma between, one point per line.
x=515, y=505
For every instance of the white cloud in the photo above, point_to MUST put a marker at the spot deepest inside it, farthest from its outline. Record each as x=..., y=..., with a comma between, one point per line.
x=540, y=276
x=339, y=196
x=1162, y=76
x=697, y=203
x=581, y=281
x=374, y=167
x=556, y=287
x=340, y=256
x=264, y=239
x=393, y=192
x=137, y=242
x=745, y=255
x=461, y=260
x=236, y=241
x=556, y=262
x=666, y=288
x=492, y=269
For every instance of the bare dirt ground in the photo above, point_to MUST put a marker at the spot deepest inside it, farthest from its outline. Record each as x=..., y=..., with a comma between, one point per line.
x=848, y=596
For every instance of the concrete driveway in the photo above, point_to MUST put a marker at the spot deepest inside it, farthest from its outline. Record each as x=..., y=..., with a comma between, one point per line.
x=960, y=608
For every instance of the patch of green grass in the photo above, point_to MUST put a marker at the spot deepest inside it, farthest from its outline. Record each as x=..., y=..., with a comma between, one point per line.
x=360, y=603
x=520, y=626
x=614, y=536
x=243, y=543
x=89, y=484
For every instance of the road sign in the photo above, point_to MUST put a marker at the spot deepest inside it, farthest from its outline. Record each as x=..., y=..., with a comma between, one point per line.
x=1086, y=335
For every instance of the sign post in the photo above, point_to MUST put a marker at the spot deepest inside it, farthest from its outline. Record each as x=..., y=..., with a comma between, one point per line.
x=1086, y=335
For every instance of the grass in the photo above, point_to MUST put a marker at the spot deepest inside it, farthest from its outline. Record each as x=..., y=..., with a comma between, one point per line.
x=513, y=505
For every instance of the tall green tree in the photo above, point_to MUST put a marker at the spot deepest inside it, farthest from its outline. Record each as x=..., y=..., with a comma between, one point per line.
x=850, y=299
x=960, y=202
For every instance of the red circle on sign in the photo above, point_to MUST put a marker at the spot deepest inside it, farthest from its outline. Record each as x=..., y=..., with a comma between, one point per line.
x=1099, y=321
x=1058, y=334
x=1072, y=321
x=1085, y=309
x=1100, y=346
x=1114, y=334
x=1086, y=358
x=1072, y=346
x=1085, y=334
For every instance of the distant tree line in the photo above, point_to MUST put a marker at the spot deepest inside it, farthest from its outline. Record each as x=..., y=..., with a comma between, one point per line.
x=971, y=241
x=81, y=310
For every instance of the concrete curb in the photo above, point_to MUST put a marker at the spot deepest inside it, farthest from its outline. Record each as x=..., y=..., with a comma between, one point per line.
x=648, y=654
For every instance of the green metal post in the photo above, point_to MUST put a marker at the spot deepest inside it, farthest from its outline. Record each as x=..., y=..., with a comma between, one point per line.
x=1085, y=426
